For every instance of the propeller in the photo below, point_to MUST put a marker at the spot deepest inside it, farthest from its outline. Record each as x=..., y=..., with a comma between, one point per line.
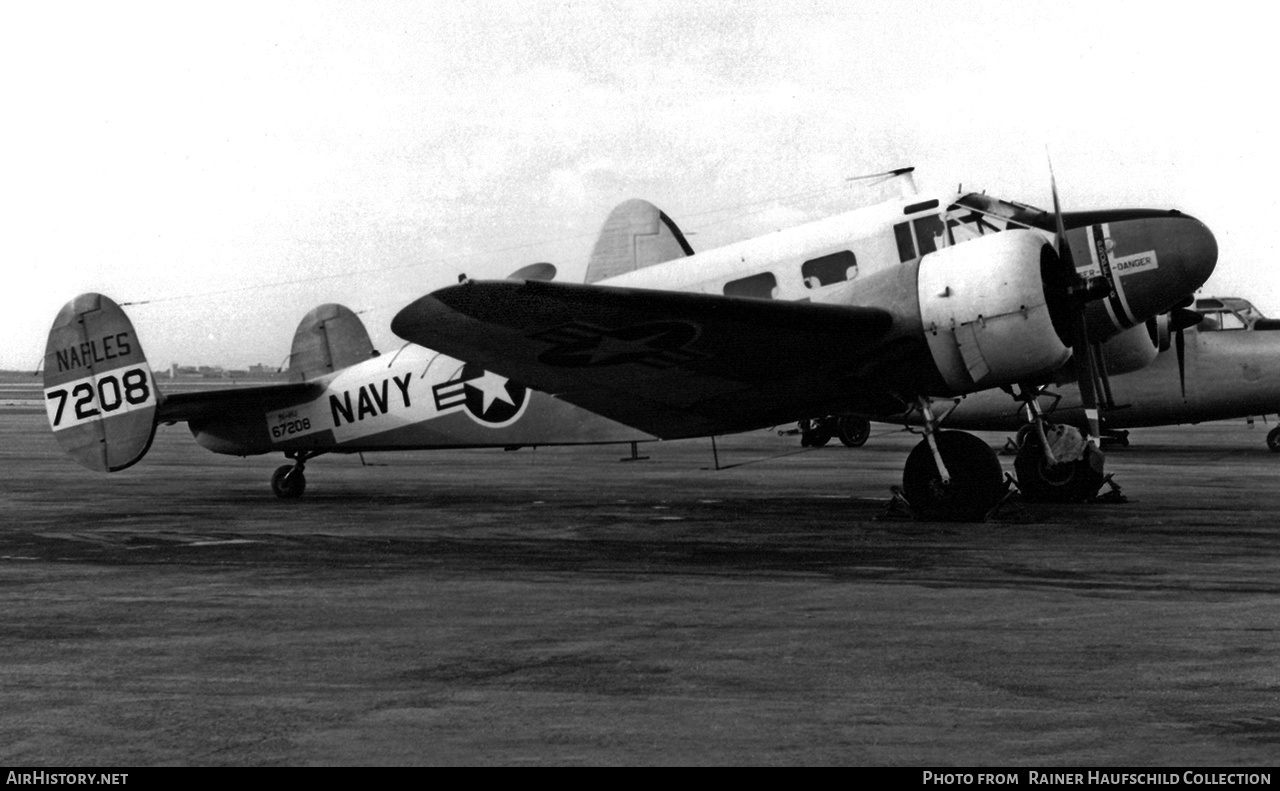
x=1078, y=289
x=1179, y=320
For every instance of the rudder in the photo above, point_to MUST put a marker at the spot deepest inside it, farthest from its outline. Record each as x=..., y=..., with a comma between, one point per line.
x=100, y=396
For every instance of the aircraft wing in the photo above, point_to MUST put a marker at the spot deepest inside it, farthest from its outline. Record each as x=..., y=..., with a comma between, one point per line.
x=177, y=407
x=673, y=364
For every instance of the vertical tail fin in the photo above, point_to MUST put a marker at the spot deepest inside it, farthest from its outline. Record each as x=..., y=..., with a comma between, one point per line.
x=635, y=235
x=99, y=392
x=330, y=337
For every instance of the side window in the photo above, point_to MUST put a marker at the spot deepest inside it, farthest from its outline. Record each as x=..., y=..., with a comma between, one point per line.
x=759, y=286
x=906, y=247
x=1231, y=321
x=828, y=269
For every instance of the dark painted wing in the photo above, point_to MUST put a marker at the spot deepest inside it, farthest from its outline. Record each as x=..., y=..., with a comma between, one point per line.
x=228, y=402
x=673, y=364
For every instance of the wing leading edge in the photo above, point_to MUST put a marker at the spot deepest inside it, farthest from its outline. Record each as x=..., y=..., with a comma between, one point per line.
x=673, y=364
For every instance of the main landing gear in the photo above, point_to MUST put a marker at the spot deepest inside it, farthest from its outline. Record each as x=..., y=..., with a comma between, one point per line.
x=952, y=476
x=1056, y=463
x=289, y=482
x=851, y=430
x=1273, y=440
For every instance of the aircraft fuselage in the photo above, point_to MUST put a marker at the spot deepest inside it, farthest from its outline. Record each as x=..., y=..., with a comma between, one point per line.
x=414, y=399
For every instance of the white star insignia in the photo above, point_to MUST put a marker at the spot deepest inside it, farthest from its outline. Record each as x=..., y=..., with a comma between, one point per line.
x=493, y=387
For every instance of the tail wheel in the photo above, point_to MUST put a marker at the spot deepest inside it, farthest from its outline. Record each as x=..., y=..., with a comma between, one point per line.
x=853, y=431
x=288, y=482
x=976, y=485
x=1065, y=482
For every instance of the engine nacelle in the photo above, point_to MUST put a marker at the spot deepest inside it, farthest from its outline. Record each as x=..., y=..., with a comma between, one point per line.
x=1129, y=350
x=986, y=311
x=1132, y=350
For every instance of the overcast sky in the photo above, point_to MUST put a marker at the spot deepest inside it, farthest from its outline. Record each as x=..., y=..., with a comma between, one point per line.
x=237, y=164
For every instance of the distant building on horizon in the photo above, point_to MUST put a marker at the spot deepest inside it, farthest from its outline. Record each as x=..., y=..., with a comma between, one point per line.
x=256, y=371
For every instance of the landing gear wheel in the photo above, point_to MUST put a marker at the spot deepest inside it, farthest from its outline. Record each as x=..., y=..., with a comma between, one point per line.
x=977, y=480
x=1066, y=482
x=288, y=482
x=853, y=431
x=814, y=433
x=1273, y=440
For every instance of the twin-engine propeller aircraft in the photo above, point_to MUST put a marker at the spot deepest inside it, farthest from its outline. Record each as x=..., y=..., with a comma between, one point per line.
x=868, y=312
x=1217, y=360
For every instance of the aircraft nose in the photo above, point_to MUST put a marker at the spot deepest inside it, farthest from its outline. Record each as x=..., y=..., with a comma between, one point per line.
x=1151, y=263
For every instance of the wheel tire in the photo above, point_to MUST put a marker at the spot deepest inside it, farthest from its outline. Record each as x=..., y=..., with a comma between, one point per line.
x=853, y=431
x=288, y=482
x=1273, y=439
x=977, y=480
x=814, y=433
x=1068, y=482
x=818, y=437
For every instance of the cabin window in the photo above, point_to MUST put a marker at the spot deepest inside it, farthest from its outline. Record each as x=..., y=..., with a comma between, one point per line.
x=834, y=268
x=759, y=286
x=906, y=247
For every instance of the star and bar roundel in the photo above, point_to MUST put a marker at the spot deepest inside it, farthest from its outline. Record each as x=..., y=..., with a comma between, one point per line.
x=490, y=399
x=654, y=344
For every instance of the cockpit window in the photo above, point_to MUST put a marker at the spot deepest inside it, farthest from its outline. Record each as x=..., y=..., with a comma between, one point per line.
x=1005, y=214
x=928, y=231
x=920, y=236
x=1222, y=320
x=969, y=226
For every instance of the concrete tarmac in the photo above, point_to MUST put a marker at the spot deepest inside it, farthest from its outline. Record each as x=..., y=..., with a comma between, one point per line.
x=560, y=607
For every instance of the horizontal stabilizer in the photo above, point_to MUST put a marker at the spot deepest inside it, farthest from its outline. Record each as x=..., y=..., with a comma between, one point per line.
x=215, y=404
x=669, y=363
x=99, y=393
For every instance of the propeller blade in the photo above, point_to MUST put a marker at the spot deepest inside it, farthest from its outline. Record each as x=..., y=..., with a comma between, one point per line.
x=1080, y=348
x=1060, y=238
x=1181, y=318
x=1180, y=346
